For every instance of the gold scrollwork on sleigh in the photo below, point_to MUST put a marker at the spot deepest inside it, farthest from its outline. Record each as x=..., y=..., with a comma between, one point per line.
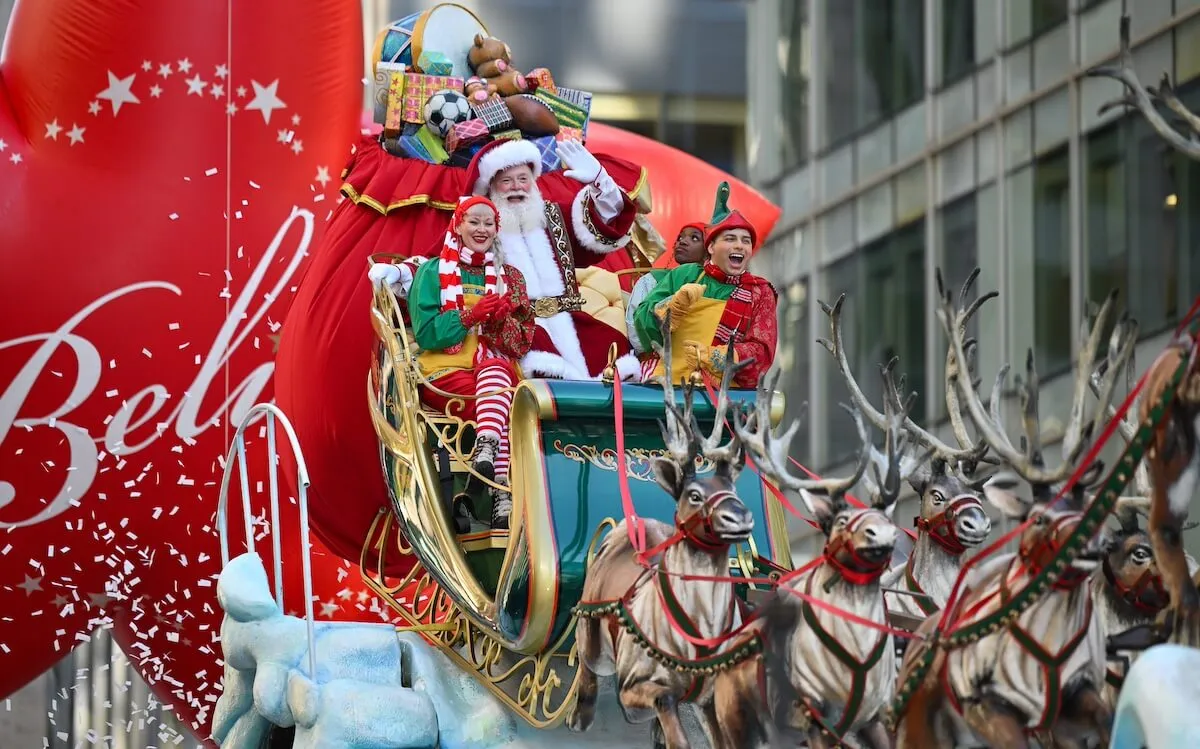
x=637, y=459
x=540, y=688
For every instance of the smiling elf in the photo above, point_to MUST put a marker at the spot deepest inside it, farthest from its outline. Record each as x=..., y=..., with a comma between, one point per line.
x=713, y=302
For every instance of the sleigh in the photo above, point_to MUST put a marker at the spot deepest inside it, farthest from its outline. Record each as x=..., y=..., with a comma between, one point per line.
x=499, y=601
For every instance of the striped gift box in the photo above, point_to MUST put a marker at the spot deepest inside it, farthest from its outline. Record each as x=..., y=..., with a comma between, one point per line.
x=494, y=114
x=465, y=134
x=567, y=114
x=417, y=90
x=581, y=99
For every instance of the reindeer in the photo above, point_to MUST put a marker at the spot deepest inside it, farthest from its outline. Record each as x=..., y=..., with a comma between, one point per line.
x=821, y=673
x=1044, y=670
x=709, y=517
x=952, y=518
x=1173, y=458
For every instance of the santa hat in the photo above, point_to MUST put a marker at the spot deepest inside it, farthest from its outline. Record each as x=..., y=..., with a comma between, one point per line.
x=497, y=156
x=724, y=219
x=699, y=226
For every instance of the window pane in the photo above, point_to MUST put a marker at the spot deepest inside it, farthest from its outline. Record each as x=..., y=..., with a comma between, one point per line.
x=1046, y=14
x=876, y=61
x=894, y=313
x=1142, y=233
x=958, y=39
x=794, y=57
x=713, y=143
x=1052, y=263
x=795, y=356
x=957, y=257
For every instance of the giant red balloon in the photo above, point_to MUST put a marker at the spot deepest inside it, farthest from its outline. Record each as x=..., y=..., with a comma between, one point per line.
x=149, y=245
x=327, y=340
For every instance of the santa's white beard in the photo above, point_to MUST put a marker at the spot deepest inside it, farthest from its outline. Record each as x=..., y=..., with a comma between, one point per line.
x=527, y=216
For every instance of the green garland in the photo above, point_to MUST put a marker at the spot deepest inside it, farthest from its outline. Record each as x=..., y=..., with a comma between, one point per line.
x=704, y=666
x=1090, y=523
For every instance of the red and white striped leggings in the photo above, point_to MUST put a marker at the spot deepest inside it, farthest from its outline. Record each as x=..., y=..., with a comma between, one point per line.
x=489, y=409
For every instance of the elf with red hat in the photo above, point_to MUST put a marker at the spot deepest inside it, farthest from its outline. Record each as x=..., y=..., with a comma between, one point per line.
x=548, y=240
x=714, y=303
x=472, y=319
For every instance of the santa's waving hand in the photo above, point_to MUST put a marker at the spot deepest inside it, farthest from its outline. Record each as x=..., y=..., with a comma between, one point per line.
x=547, y=239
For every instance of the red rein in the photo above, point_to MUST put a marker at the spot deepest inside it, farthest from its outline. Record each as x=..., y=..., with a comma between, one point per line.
x=941, y=527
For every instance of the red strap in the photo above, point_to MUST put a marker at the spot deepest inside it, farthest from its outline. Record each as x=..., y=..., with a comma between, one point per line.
x=633, y=523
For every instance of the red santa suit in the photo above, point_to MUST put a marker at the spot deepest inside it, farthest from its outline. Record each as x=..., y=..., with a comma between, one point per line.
x=569, y=343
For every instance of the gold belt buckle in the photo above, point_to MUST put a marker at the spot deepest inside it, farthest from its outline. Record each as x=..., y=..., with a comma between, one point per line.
x=547, y=306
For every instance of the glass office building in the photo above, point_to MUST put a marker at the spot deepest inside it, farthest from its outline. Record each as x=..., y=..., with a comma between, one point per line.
x=903, y=136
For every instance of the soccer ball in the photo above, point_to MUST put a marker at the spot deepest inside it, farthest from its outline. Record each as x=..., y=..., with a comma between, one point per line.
x=444, y=109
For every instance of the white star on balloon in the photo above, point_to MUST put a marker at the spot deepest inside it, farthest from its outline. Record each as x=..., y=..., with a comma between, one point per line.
x=222, y=70
x=15, y=158
x=156, y=91
x=53, y=129
x=323, y=175
x=297, y=146
x=196, y=85
x=165, y=69
x=94, y=107
x=147, y=65
x=266, y=99
x=119, y=92
x=231, y=109
x=76, y=133
x=217, y=90
x=185, y=65
x=3, y=145
x=31, y=584
x=328, y=609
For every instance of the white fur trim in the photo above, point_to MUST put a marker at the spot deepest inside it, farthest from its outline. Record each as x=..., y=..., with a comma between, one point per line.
x=503, y=156
x=589, y=240
x=545, y=364
x=531, y=253
x=629, y=367
x=562, y=332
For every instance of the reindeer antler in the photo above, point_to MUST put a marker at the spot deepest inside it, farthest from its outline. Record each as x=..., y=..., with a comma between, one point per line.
x=1029, y=461
x=1124, y=335
x=1145, y=99
x=770, y=449
x=965, y=453
x=897, y=465
x=681, y=432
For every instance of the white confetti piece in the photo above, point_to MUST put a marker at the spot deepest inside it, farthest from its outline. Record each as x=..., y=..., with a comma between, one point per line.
x=210, y=172
x=173, y=216
x=173, y=326
x=146, y=353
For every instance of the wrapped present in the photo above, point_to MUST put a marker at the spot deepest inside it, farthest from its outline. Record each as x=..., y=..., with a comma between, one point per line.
x=393, y=121
x=413, y=146
x=569, y=133
x=549, y=149
x=512, y=134
x=386, y=76
x=567, y=114
x=543, y=79
x=434, y=63
x=433, y=145
x=467, y=133
x=581, y=99
x=494, y=114
x=418, y=87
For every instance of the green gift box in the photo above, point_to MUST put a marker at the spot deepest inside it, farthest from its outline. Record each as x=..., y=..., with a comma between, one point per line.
x=433, y=145
x=567, y=114
x=435, y=63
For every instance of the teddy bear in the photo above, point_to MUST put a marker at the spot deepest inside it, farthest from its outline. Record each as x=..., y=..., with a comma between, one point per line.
x=491, y=59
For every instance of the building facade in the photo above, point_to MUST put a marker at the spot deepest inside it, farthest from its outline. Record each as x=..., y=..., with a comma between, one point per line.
x=906, y=136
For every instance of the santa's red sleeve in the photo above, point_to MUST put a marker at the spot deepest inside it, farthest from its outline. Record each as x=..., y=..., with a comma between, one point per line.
x=591, y=235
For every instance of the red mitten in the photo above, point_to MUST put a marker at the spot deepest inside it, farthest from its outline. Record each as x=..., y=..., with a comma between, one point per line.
x=484, y=309
x=118, y=164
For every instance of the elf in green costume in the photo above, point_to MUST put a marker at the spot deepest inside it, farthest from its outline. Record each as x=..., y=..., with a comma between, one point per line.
x=472, y=319
x=689, y=248
x=712, y=303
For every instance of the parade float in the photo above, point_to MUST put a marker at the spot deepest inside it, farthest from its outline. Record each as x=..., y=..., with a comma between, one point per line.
x=497, y=643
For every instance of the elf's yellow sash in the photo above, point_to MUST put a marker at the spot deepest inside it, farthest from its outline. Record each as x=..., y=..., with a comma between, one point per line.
x=434, y=364
x=698, y=325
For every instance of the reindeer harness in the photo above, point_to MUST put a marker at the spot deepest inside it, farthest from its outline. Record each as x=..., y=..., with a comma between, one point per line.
x=941, y=530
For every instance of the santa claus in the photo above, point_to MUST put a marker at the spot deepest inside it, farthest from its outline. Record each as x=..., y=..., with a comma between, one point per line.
x=548, y=241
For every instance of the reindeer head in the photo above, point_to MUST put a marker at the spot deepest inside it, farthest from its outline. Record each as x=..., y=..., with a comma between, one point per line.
x=859, y=540
x=952, y=512
x=1051, y=519
x=707, y=509
x=1130, y=570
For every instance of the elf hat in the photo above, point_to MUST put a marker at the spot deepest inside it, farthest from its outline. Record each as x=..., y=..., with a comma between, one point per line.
x=497, y=156
x=724, y=219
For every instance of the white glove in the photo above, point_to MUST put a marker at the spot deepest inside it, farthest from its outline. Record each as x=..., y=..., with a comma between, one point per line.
x=581, y=165
x=384, y=274
x=398, y=277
